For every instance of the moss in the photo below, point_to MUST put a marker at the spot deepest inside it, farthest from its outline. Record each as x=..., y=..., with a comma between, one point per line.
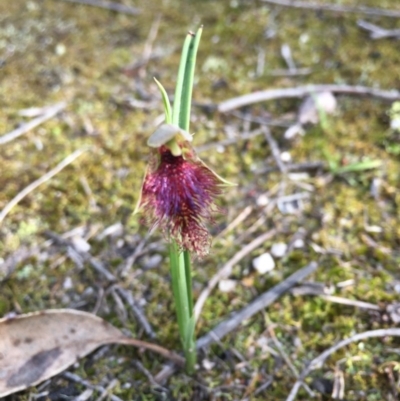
x=62, y=51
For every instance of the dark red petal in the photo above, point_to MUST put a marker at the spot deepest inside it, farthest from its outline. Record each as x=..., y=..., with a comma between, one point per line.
x=178, y=195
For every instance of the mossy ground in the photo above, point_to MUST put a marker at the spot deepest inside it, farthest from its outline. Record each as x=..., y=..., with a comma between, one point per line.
x=53, y=50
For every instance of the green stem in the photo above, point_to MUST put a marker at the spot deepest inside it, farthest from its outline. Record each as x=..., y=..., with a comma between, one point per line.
x=188, y=274
x=181, y=76
x=186, y=98
x=181, y=274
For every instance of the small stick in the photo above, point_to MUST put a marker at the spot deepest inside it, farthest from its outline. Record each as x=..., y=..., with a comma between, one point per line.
x=242, y=216
x=137, y=311
x=289, y=73
x=350, y=302
x=227, y=269
x=148, y=47
x=261, y=302
x=226, y=326
x=86, y=256
x=108, y=5
x=276, y=153
x=76, y=379
x=31, y=187
x=23, y=129
x=228, y=141
x=336, y=8
x=166, y=353
x=107, y=390
x=317, y=362
x=293, y=167
x=376, y=32
x=286, y=357
x=302, y=91
x=149, y=376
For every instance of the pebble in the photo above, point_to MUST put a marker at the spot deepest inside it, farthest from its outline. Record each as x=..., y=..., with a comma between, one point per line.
x=279, y=249
x=80, y=244
x=227, y=285
x=264, y=263
x=298, y=243
x=207, y=364
x=68, y=284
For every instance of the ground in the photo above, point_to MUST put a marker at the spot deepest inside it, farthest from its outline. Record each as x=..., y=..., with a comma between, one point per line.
x=102, y=63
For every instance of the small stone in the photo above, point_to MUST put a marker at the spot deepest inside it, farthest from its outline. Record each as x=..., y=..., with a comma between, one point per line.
x=80, y=244
x=227, y=285
x=293, y=131
x=394, y=312
x=207, y=364
x=60, y=49
x=262, y=200
x=264, y=263
x=68, y=284
x=313, y=106
x=114, y=230
x=286, y=157
x=151, y=262
x=279, y=249
x=298, y=243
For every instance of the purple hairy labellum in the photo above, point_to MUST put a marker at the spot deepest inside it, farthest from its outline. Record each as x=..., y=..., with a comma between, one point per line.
x=178, y=196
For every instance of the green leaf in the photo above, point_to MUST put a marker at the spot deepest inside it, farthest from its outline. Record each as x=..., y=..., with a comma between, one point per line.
x=361, y=166
x=166, y=103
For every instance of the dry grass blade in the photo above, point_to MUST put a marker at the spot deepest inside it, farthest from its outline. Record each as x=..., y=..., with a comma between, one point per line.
x=23, y=129
x=31, y=187
x=258, y=304
x=108, y=5
x=37, y=346
x=302, y=91
x=317, y=362
x=336, y=8
x=248, y=311
x=226, y=270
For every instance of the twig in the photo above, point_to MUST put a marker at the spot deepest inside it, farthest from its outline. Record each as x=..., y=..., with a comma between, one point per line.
x=149, y=44
x=8, y=265
x=317, y=362
x=149, y=376
x=83, y=396
x=302, y=91
x=108, y=5
x=86, y=256
x=276, y=153
x=318, y=290
x=376, y=32
x=285, y=357
x=261, y=120
x=228, y=141
x=293, y=167
x=226, y=270
x=23, y=129
x=31, y=187
x=166, y=353
x=124, y=268
x=107, y=390
x=76, y=379
x=350, y=302
x=336, y=8
x=289, y=73
x=248, y=311
x=286, y=53
x=258, y=304
x=236, y=221
x=137, y=311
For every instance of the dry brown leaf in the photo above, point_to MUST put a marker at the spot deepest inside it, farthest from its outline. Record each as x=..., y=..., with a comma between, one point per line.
x=39, y=345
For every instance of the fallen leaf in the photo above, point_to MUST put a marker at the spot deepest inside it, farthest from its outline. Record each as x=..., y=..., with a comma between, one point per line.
x=39, y=345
